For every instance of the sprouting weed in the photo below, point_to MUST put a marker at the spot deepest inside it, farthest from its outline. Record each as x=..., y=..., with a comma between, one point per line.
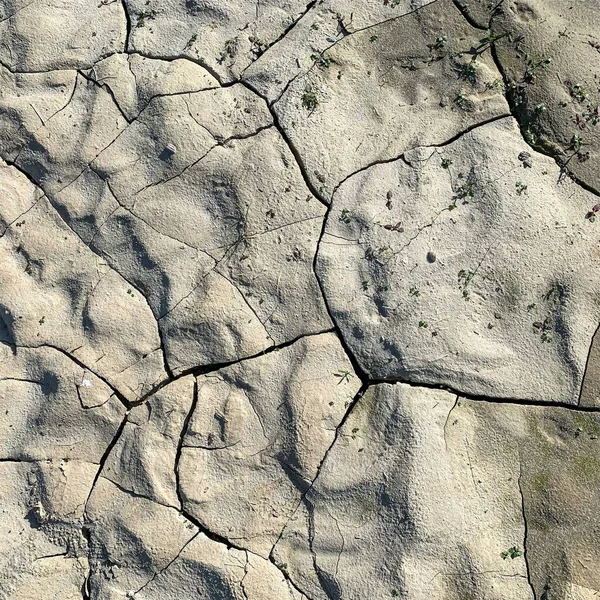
x=145, y=16
x=533, y=67
x=191, y=42
x=344, y=376
x=460, y=101
x=577, y=92
x=321, y=61
x=345, y=216
x=521, y=188
x=468, y=72
x=511, y=553
x=492, y=85
x=310, y=100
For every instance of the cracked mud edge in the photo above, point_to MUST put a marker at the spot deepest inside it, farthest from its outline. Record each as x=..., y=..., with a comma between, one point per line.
x=464, y=11
x=79, y=363
x=587, y=365
x=66, y=224
x=401, y=156
x=355, y=364
x=361, y=392
x=87, y=522
x=283, y=34
x=525, y=532
x=201, y=528
x=337, y=41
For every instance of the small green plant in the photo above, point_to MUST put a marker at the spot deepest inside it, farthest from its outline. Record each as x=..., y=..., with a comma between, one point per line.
x=460, y=101
x=591, y=116
x=439, y=44
x=42, y=320
x=511, y=553
x=467, y=71
x=310, y=100
x=539, y=108
x=576, y=143
x=465, y=191
x=446, y=162
x=577, y=92
x=494, y=84
x=344, y=376
x=533, y=67
x=423, y=324
x=365, y=285
x=130, y=292
x=321, y=61
x=464, y=279
x=345, y=216
x=228, y=52
x=191, y=42
x=373, y=38
x=258, y=46
x=521, y=188
x=414, y=291
x=145, y=16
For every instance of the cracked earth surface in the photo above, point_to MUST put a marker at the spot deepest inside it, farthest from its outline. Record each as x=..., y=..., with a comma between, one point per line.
x=299, y=301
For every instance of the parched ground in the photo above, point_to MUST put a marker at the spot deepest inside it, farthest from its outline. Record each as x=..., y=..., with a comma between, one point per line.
x=299, y=301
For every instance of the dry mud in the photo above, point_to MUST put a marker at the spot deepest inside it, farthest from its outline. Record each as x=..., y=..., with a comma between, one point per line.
x=299, y=301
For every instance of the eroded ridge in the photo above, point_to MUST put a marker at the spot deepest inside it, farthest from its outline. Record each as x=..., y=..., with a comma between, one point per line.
x=299, y=300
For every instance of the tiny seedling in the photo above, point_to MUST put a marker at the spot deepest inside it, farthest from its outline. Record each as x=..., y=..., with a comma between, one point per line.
x=191, y=42
x=345, y=216
x=228, y=52
x=310, y=100
x=373, y=38
x=533, y=67
x=521, y=188
x=366, y=285
x=414, y=291
x=511, y=553
x=321, y=61
x=42, y=320
x=577, y=92
x=446, y=162
x=539, y=108
x=464, y=192
x=145, y=16
x=258, y=46
x=492, y=85
x=344, y=376
x=468, y=72
x=423, y=324
x=460, y=101
x=464, y=279
x=440, y=42
x=576, y=143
